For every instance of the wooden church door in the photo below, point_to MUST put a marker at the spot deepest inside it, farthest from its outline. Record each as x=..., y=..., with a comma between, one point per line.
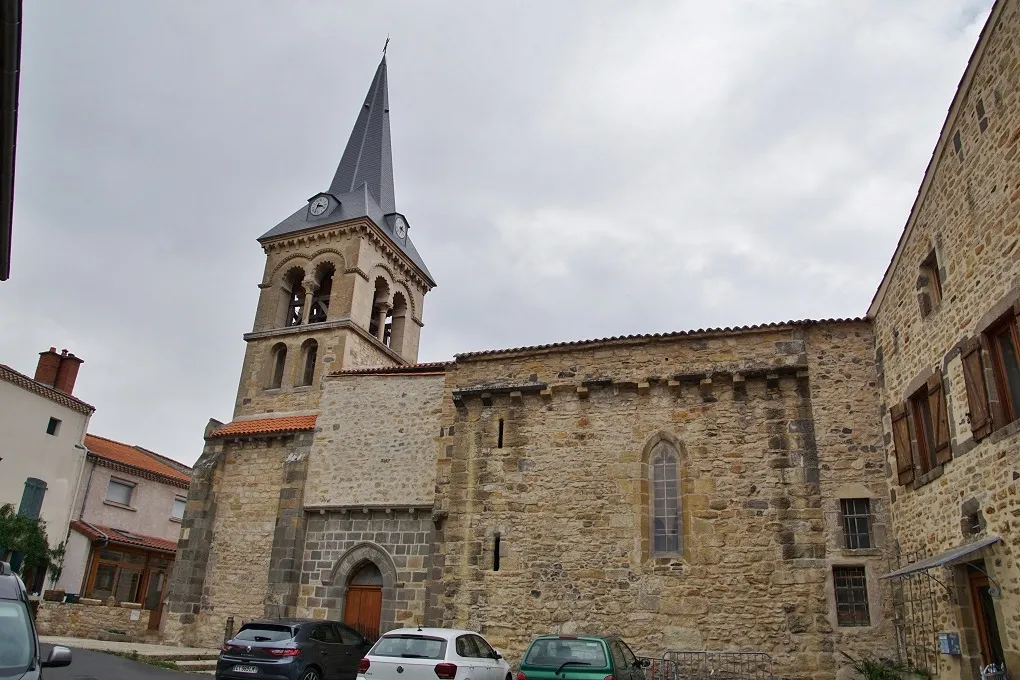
x=363, y=607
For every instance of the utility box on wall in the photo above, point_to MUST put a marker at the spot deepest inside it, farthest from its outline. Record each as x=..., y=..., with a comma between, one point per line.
x=949, y=643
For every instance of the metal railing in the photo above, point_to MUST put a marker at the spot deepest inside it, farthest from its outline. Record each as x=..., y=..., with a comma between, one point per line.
x=710, y=665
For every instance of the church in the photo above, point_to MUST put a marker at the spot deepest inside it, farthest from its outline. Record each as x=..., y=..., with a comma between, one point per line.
x=801, y=489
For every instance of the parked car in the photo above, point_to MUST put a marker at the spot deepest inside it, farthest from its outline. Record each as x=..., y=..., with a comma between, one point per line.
x=431, y=654
x=20, y=655
x=292, y=649
x=572, y=657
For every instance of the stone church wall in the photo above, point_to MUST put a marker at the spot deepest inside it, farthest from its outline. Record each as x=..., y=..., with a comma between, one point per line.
x=376, y=445
x=968, y=212
x=766, y=422
x=229, y=535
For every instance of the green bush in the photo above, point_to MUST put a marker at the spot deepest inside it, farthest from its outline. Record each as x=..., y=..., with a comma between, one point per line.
x=19, y=534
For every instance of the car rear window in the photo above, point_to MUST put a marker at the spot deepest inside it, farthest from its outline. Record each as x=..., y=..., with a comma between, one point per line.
x=264, y=633
x=410, y=647
x=556, y=651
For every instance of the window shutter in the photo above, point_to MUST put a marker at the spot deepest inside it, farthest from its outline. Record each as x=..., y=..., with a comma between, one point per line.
x=901, y=442
x=940, y=419
x=977, y=396
x=995, y=410
x=32, y=498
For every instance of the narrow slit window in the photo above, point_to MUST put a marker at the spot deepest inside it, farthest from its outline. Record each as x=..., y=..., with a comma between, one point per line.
x=53, y=427
x=982, y=117
x=495, y=552
x=958, y=145
x=499, y=439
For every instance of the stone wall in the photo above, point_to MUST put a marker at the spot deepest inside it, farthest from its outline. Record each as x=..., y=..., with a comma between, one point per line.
x=398, y=542
x=567, y=492
x=224, y=569
x=377, y=439
x=91, y=620
x=968, y=212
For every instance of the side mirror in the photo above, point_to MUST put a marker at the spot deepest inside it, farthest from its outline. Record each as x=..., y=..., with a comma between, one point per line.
x=59, y=656
x=496, y=654
x=645, y=663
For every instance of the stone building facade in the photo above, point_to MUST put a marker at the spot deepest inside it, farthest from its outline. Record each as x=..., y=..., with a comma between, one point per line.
x=779, y=488
x=948, y=295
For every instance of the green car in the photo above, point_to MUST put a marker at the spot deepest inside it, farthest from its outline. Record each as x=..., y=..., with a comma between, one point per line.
x=578, y=657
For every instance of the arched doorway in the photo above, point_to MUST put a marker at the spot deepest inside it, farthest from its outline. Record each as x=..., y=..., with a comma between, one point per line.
x=363, y=604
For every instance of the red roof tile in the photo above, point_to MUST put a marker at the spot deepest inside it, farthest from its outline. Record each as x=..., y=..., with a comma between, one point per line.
x=96, y=532
x=652, y=336
x=8, y=374
x=131, y=456
x=240, y=428
x=433, y=368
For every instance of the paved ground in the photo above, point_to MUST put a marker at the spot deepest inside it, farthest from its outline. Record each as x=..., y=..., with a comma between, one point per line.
x=92, y=665
x=155, y=651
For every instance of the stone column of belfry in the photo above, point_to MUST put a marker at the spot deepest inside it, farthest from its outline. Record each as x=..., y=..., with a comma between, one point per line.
x=380, y=331
x=311, y=288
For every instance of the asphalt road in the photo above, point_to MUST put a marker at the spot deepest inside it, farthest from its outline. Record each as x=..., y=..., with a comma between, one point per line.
x=88, y=665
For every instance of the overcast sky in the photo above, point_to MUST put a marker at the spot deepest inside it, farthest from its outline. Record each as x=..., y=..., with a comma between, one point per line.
x=570, y=170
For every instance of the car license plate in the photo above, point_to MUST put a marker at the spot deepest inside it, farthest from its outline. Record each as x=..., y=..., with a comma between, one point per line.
x=244, y=669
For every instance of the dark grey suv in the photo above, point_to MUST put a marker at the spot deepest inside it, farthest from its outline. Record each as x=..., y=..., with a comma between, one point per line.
x=19, y=643
x=292, y=649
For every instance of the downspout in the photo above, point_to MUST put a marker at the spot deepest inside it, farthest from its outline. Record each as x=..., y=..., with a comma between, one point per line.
x=85, y=497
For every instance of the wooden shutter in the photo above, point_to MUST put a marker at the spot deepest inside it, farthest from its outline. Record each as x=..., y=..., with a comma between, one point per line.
x=939, y=419
x=977, y=395
x=32, y=498
x=901, y=442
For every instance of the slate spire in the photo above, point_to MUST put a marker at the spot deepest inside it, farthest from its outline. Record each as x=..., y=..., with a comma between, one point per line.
x=368, y=158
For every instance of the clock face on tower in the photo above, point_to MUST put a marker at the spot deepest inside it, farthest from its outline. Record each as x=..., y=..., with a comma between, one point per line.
x=319, y=205
x=400, y=227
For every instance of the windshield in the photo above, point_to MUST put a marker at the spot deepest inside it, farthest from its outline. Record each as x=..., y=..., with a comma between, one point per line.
x=264, y=633
x=16, y=643
x=557, y=651
x=410, y=647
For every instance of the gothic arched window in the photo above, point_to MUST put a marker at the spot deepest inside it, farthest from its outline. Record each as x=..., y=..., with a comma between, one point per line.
x=309, y=354
x=279, y=363
x=665, y=510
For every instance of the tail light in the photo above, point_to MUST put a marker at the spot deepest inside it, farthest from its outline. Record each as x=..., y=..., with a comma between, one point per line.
x=229, y=648
x=609, y=677
x=364, y=665
x=446, y=671
x=284, y=653
x=521, y=676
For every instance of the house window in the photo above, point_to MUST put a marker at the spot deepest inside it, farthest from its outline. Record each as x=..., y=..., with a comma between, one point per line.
x=178, y=510
x=117, y=574
x=856, y=522
x=53, y=427
x=958, y=145
x=665, y=501
x=1004, y=344
x=924, y=431
x=982, y=117
x=120, y=492
x=920, y=428
x=32, y=498
x=929, y=284
x=851, y=586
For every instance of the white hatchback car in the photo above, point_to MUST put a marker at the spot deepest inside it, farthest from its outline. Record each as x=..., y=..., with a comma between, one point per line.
x=433, y=654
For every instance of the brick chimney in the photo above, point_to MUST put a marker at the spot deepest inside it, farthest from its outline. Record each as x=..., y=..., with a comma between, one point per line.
x=67, y=372
x=49, y=363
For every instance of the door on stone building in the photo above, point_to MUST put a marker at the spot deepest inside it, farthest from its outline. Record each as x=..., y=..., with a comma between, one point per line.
x=984, y=617
x=363, y=607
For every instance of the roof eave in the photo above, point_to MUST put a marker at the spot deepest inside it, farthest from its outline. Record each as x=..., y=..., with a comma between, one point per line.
x=933, y=163
x=10, y=75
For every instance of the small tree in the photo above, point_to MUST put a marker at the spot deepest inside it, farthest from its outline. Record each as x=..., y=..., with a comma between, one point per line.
x=19, y=534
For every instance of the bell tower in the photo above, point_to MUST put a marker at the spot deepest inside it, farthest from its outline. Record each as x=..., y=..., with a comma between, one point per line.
x=343, y=285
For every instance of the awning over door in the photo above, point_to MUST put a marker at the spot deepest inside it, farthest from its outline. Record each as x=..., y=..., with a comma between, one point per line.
x=943, y=559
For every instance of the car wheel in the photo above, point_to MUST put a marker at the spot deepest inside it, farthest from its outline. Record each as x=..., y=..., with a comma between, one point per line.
x=311, y=674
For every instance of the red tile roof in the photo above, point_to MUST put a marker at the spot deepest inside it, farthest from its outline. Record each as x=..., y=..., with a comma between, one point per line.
x=433, y=368
x=240, y=428
x=665, y=336
x=8, y=374
x=97, y=532
x=133, y=457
